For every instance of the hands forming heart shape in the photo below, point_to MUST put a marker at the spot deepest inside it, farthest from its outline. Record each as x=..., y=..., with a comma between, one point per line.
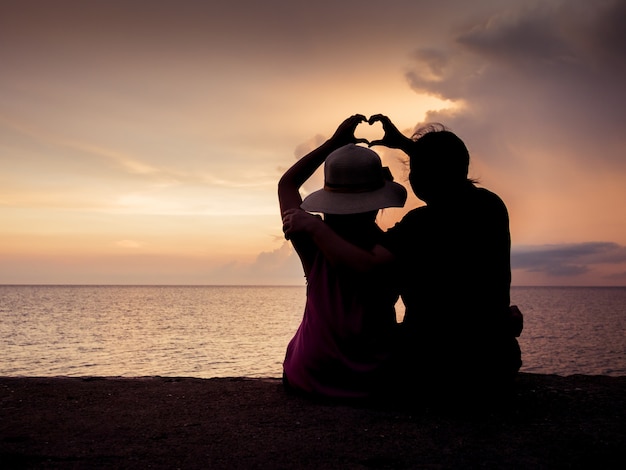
x=368, y=132
x=391, y=137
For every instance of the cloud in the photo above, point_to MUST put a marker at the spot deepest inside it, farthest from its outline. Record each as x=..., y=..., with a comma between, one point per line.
x=278, y=267
x=316, y=181
x=545, y=77
x=559, y=261
x=567, y=259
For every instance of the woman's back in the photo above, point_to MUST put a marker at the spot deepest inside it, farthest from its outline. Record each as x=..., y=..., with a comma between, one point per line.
x=344, y=343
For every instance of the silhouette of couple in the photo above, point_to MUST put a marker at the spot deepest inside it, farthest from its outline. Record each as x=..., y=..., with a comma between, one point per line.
x=449, y=260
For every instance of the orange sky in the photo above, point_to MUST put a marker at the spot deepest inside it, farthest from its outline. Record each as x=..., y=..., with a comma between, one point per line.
x=141, y=142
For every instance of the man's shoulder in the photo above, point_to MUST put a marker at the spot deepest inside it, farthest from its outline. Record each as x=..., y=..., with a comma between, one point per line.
x=406, y=226
x=486, y=196
x=481, y=191
x=416, y=214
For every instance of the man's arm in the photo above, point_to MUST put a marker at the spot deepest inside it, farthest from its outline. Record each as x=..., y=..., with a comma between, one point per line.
x=392, y=138
x=336, y=249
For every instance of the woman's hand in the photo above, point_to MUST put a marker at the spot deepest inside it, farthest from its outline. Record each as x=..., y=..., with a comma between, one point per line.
x=393, y=138
x=344, y=134
x=298, y=221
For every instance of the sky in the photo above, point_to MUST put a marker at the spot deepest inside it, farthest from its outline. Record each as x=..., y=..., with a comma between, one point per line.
x=142, y=142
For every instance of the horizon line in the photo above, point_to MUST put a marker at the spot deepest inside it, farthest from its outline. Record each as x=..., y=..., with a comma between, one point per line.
x=243, y=285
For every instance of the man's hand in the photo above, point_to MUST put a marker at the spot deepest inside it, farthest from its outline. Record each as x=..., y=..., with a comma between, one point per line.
x=298, y=221
x=393, y=138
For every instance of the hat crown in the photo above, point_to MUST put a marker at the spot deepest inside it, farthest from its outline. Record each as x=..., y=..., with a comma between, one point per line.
x=353, y=169
x=355, y=182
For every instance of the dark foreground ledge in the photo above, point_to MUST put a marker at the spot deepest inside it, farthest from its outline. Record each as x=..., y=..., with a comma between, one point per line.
x=157, y=422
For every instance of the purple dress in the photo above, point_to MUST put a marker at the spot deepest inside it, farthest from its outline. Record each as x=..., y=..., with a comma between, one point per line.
x=344, y=343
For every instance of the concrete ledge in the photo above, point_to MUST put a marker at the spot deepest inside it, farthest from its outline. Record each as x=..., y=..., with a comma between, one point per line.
x=189, y=423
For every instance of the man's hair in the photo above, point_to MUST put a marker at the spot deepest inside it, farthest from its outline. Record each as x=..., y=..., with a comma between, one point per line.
x=442, y=150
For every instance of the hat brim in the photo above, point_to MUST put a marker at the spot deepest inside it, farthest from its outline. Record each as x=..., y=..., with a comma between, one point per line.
x=330, y=202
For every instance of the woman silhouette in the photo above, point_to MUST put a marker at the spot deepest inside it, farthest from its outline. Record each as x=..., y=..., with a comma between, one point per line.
x=344, y=342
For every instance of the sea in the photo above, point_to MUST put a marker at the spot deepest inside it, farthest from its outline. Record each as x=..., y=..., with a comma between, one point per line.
x=242, y=331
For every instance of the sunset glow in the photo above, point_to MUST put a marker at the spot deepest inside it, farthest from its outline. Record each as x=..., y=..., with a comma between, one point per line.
x=142, y=142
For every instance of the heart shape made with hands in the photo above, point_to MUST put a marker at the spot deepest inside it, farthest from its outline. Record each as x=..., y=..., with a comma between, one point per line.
x=369, y=132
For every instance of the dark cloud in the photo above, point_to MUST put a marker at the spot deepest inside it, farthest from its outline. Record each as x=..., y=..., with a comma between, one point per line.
x=243, y=28
x=548, y=78
x=566, y=260
x=606, y=33
x=525, y=37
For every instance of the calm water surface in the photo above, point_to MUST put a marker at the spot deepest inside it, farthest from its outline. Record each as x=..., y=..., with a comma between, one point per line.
x=243, y=331
x=573, y=330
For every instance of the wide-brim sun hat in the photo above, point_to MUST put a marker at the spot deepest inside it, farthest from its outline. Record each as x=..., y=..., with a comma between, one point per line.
x=354, y=182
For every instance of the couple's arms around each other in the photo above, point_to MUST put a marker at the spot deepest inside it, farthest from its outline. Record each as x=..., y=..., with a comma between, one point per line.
x=336, y=249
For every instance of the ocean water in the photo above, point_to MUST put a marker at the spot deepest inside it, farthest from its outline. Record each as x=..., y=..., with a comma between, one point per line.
x=215, y=331
x=573, y=330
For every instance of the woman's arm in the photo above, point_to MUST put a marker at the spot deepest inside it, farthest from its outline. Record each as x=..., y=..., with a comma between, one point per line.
x=290, y=183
